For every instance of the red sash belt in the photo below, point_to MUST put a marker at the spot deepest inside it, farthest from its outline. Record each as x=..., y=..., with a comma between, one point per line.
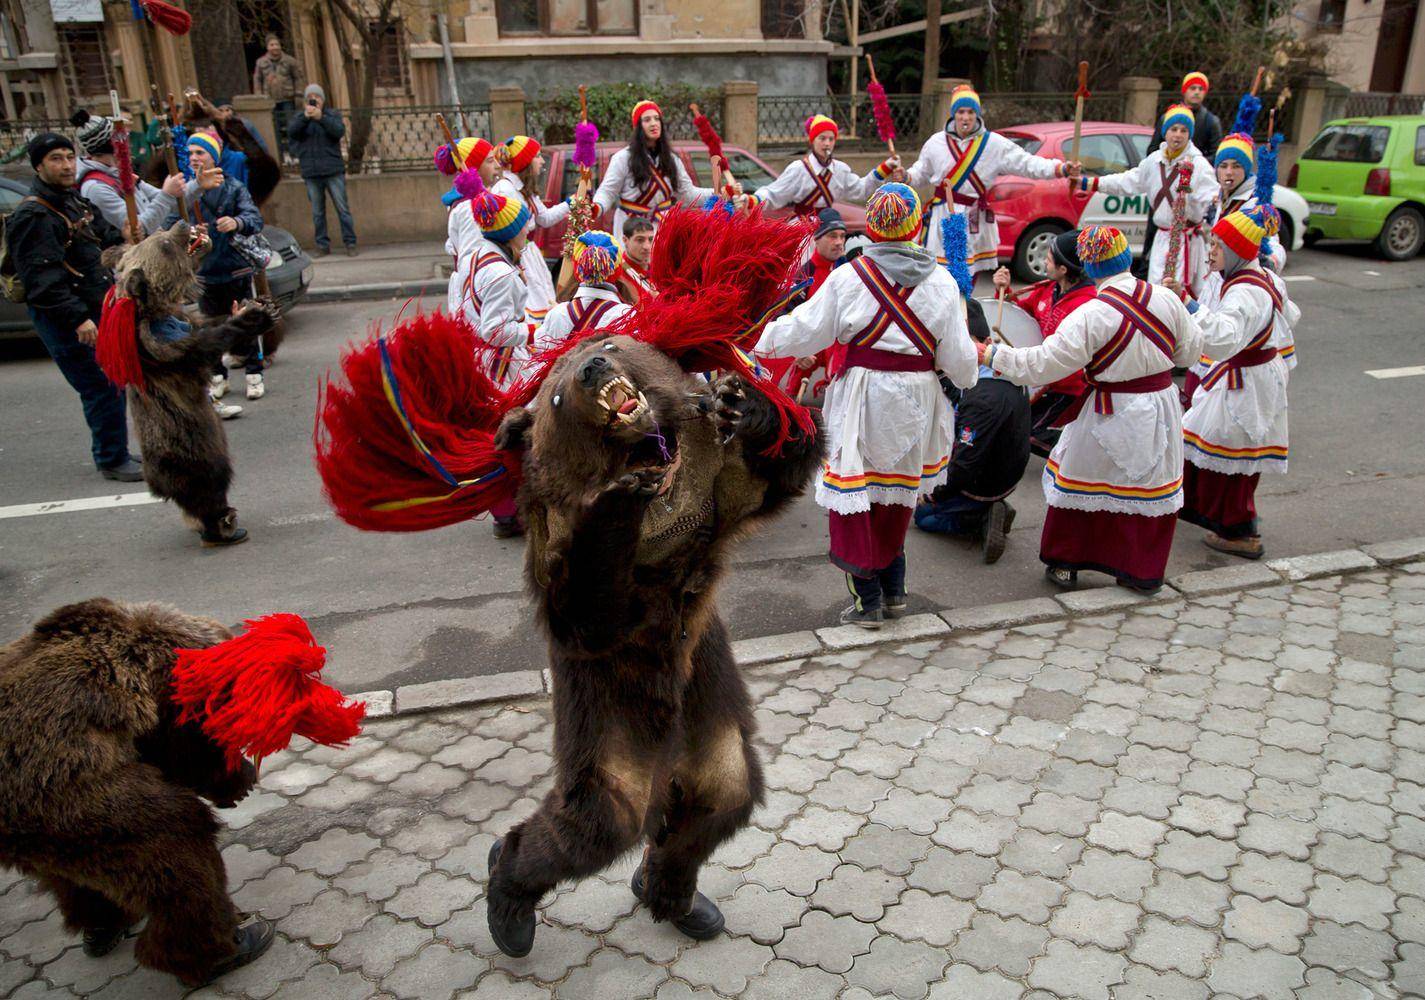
x=1103, y=404
x=1231, y=369
x=979, y=206
x=878, y=360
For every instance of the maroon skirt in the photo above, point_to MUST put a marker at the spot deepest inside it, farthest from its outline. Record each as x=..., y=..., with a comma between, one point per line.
x=864, y=544
x=1220, y=502
x=1129, y=547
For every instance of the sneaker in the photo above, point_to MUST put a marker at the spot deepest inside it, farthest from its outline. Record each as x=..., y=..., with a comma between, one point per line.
x=253, y=937
x=1064, y=579
x=255, y=388
x=99, y=941
x=226, y=411
x=322, y=252
x=872, y=619
x=995, y=532
x=1248, y=548
x=128, y=471
x=351, y=250
x=893, y=605
x=218, y=386
x=703, y=921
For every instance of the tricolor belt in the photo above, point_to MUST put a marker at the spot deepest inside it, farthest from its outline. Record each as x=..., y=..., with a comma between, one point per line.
x=1133, y=387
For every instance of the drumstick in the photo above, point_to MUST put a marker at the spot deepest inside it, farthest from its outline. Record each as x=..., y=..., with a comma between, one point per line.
x=999, y=314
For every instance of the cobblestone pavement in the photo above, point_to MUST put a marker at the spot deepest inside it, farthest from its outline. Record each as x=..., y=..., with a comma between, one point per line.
x=1214, y=796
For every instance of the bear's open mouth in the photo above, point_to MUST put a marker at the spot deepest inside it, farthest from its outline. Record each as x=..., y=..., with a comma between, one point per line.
x=622, y=401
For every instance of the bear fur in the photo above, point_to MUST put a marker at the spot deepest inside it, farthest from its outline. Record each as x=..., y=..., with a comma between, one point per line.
x=637, y=479
x=185, y=450
x=101, y=791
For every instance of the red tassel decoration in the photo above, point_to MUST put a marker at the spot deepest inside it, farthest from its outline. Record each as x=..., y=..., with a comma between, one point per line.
x=174, y=20
x=881, y=108
x=710, y=138
x=431, y=461
x=117, y=346
x=124, y=158
x=254, y=692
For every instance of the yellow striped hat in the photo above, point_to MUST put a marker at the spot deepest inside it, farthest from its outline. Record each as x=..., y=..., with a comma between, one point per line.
x=817, y=124
x=1242, y=232
x=964, y=96
x=1178, y=114
x=893, y=214
x=501, y=219
x=519, y=152
x=1240, y=147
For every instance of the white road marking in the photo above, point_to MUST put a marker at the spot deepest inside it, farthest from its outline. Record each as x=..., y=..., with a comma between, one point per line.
x=282, y=522
x=1397, y=372
x=1298, y=277
x=83, y=503
x=1373, y=274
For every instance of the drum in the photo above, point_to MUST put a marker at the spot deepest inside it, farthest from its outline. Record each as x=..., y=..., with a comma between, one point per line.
x=1016, y=328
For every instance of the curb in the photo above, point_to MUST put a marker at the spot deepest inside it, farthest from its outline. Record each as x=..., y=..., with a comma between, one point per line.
x=462, y=691
x=377, y=290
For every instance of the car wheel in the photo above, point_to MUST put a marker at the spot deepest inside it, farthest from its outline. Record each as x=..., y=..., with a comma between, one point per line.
x=1032, y=249
x=1402, y=235
x=1312, y=237
x=1287, y=235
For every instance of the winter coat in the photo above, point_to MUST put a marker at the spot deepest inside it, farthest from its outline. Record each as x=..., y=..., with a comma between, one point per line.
x=223, y=262
x=64, y=281
x=317, y=143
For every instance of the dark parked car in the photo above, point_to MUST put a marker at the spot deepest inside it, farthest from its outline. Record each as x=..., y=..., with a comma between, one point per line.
x=289, y=272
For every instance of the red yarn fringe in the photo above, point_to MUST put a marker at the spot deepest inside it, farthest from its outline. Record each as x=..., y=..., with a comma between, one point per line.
x=254, y=692
x=881, y=107
x=710, y=138
x=174, y=20
x=124, y=160
x=373, y=473
x=117, y=347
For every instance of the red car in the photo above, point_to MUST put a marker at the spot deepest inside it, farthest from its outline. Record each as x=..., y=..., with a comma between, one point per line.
x=1031, y=213
x=562, y=179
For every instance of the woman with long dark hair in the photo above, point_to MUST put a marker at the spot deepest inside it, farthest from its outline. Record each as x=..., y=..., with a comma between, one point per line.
x=646, y=177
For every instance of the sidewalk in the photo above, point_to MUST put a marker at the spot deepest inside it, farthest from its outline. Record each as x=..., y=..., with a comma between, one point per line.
x=1211, y=795
x=384, y=270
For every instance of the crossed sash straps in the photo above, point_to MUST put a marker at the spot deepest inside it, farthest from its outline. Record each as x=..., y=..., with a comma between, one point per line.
x=658, y=189
x=586, y=313
x=1133, y=307
x=894, y=304
x=821, y=193
x=500, y=362
x=1256, y=351
x=961, y=171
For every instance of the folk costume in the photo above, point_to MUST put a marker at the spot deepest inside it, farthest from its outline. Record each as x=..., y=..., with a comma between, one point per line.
x=808, y=185
x=1156, y=177
x=1236, y=429
x=962, y=170
x=620, y=192
x=806, y=383
x=462, y=231
x=887, y=422
x=493, y=296
x=517, y=153
x=1113, y=483
x=596, y=304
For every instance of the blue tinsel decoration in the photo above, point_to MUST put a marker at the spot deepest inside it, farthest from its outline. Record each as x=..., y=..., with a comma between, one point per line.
x=1267, y=180
x=1247, y=110
x=955, y=235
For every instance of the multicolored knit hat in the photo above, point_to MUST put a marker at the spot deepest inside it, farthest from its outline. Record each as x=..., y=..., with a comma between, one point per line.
x=893, y=214
x=501, y=219
x=643, y=106
x=1196, y=78
x=817, y=124
x=208, y=141
x=1104, y=252
x=1243, y=232
x=1178, y=114
x=1240, y=147
x=472, y=153
x=518, y=152
x=596, y=257
x=964, y=96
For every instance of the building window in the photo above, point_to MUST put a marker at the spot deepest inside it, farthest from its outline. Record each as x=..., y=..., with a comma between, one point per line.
x=567, y=17
x=783, y=18
x=86, y=68
x=1331, y=17
x=392, y=70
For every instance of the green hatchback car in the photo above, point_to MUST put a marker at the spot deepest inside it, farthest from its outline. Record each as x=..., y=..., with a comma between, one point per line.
x=1364, y=179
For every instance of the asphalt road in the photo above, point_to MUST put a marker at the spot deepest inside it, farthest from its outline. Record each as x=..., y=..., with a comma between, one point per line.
x=399, y=609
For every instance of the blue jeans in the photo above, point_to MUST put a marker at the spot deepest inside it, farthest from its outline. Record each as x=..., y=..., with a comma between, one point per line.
x=956, y=515
x=317, y=190
x=103, y=403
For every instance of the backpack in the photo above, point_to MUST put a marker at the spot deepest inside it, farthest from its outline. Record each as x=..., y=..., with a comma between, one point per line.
x=10, y=282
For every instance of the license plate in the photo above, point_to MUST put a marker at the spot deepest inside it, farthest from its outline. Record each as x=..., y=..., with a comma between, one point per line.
x=1321, y=208
x=307, y=274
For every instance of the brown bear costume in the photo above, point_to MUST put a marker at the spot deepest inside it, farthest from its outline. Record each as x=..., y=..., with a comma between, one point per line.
x=101, y=789
x=185, y=450
x=628, y=537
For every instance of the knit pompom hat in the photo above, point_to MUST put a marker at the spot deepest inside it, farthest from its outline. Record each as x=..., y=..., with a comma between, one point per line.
x=95, y=132
x=472, y=153
x=893, y=214
x=1243, y=232
x=208, y=141
x=1178, y=114
x=596, y=257
x=1239, y=147
x=1196, y=78
x=518, y=152
x=1104, y=252
x=501, y=219
x=817, y=124
x=964, y=96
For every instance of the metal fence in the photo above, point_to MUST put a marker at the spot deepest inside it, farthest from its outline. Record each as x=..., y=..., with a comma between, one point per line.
x=552, y=121
x=1367, y=104
x=14, y=136
x=1224, y=98
x=780, y=119
x=402, y=138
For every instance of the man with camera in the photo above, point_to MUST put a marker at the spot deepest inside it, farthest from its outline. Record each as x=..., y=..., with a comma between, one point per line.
x=315, y=138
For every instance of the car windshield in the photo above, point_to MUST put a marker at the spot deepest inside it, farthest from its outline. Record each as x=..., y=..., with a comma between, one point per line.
x=1025, y=142
x=1349, y=144
x=749, y=173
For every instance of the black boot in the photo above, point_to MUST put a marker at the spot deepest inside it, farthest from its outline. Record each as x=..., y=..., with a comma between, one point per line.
x=703, y=921
x=513, y=932
x=866, y=607
x=223, y=530
x=996, y=531
x=253, y=937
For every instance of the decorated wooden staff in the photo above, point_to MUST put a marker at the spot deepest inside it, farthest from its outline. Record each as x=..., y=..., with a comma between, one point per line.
x=581, y=208
x=1080, y=95
x=124, y=160
x=713, y=142
x=885, y=123
x=1176, y=234
x=450, y=142
x=165, y=137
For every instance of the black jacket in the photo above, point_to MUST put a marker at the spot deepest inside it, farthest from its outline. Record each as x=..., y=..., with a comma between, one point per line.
x=317, y=144
x=1206, y=133
x=64, y=281
x=991, y=441
x=223, y=263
